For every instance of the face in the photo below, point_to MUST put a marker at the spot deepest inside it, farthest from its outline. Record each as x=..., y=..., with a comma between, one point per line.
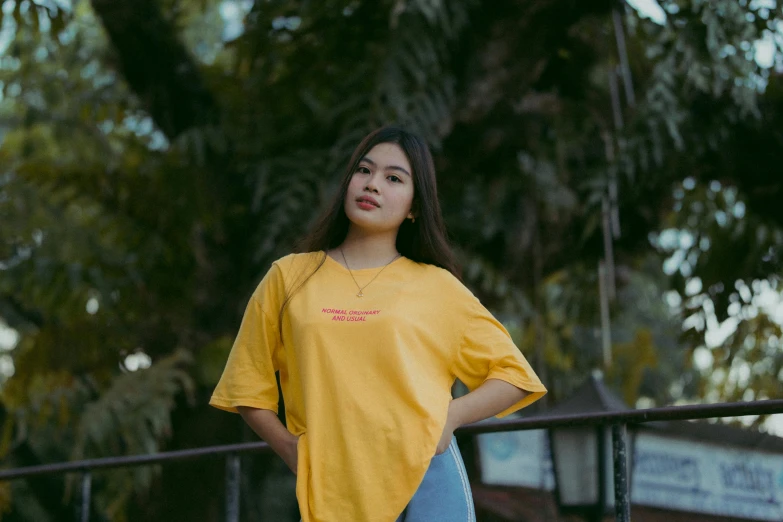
x=380, y=193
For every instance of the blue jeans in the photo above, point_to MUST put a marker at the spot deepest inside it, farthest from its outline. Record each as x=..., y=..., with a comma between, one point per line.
x=444, y=493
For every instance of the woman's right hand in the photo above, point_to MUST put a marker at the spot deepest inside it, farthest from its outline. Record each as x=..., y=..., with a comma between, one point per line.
x=290, y=453
x=267, y=426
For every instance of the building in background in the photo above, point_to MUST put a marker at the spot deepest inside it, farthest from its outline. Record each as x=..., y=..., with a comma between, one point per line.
x=695, y=471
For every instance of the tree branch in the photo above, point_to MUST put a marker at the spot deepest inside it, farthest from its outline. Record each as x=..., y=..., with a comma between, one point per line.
x=156, y=65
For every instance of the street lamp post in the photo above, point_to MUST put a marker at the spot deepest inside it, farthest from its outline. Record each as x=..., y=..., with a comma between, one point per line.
x=582, y=457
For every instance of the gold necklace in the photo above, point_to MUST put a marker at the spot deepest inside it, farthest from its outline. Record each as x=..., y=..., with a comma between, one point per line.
x=361, y=288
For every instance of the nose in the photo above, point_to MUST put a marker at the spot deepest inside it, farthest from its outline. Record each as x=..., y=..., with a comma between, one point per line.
x=371, y=185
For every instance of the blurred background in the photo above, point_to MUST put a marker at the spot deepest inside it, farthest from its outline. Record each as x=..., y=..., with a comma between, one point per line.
x=611, y=175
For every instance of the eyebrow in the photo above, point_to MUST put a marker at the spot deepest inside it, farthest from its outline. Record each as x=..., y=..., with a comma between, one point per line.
x=390, y=167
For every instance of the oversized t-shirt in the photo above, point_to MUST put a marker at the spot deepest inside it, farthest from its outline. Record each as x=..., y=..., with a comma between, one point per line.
x=366, y=380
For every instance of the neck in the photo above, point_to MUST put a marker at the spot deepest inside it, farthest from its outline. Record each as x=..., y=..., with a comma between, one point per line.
x=363, y=250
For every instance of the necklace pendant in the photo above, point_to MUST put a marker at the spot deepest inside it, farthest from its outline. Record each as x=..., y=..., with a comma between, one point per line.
x=360, y=293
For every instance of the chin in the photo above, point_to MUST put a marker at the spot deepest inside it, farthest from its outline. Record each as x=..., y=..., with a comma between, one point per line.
x=369, y=225
x=366, y=224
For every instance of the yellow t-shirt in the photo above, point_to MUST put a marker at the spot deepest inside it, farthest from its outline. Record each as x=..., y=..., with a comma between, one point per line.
x=366, y=381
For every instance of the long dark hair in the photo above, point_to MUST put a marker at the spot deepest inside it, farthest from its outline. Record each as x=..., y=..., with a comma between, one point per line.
x=424, y=241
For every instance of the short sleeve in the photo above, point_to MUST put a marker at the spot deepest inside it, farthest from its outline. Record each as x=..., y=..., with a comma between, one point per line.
x=488, y=352
x=249, y=376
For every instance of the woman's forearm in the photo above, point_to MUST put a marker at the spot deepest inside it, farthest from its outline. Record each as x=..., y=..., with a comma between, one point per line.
x=489, y=399
x=267, y=425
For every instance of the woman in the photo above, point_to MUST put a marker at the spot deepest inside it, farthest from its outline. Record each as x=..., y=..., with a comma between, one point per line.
x=368, y=328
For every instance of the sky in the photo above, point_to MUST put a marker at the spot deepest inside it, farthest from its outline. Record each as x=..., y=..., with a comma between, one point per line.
x=764, y=48
x=650, y=9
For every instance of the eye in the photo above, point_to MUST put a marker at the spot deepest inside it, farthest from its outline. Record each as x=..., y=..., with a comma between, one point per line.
x=394, y=179
x=362, y=169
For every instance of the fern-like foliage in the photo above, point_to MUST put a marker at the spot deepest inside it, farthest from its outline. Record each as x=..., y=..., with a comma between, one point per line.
x=132, y=417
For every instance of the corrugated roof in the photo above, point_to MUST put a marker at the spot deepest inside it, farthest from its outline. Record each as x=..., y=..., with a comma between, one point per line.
x=718, y=433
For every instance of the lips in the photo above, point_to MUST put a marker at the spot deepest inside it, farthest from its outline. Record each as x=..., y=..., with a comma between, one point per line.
x=369, y=200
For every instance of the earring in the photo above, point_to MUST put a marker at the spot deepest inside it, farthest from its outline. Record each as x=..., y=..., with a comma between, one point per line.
x=413, y=220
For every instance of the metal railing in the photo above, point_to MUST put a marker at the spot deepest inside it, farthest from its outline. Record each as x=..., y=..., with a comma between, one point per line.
x=617, y=420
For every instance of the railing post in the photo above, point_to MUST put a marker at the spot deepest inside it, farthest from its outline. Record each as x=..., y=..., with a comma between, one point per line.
x=622, y=502
x=86, y=493
x=232, y=488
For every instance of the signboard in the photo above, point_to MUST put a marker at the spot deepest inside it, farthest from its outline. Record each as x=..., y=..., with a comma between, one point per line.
x=668, y=473
x=516, y=458
x=706, y=478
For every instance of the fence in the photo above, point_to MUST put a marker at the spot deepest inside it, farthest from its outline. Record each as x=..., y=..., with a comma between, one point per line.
x=617, y=420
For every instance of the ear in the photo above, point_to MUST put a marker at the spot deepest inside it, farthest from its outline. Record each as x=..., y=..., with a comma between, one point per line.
x=414, y=210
